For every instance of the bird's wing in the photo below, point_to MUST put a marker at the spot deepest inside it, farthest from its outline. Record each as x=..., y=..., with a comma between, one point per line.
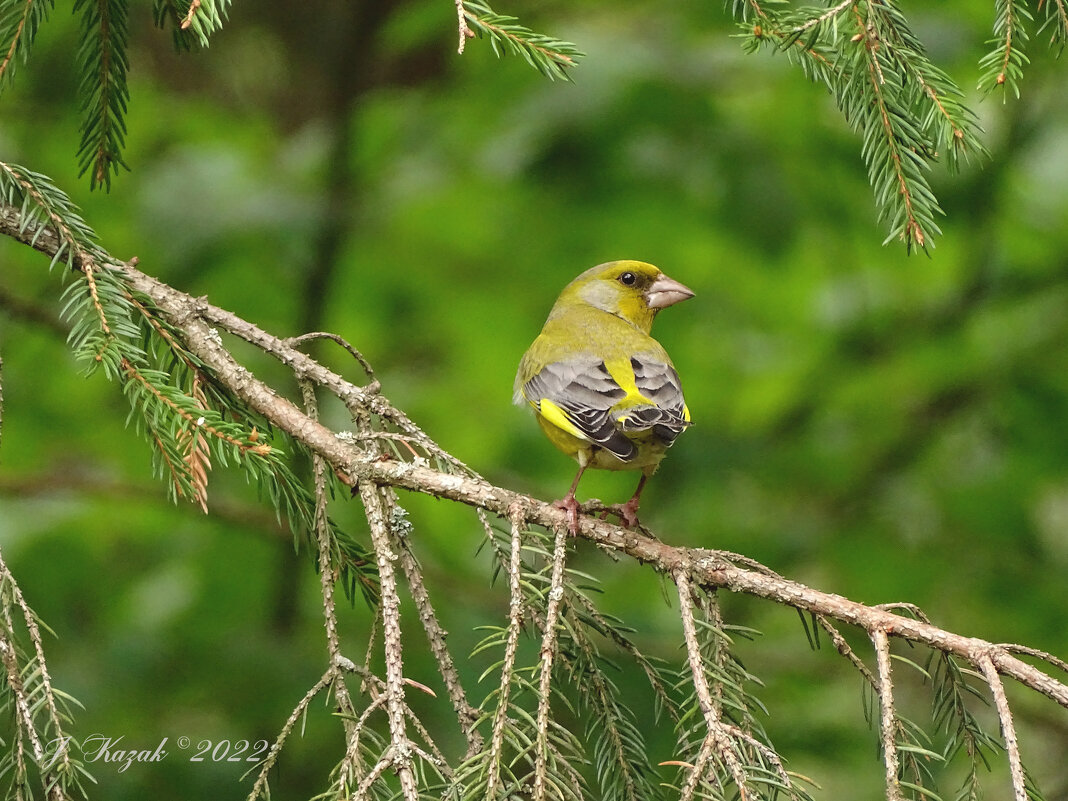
x=666, y=414
x=577, y=395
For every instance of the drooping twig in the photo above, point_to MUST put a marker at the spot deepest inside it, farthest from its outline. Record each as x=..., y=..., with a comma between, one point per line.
x=314, y=335
x=1008, y=730
x=888, y=717
x=716, y=741
x=26, y=703
x=466, y=714
x=327, y=583
x=547, y=656
x=260, y=786
x=516, y=613
x=398, y=755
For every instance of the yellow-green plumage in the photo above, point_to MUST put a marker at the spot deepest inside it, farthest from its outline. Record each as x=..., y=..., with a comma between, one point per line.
x=603, y=390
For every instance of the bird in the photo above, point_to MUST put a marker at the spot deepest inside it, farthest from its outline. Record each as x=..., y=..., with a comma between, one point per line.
x=602, y=389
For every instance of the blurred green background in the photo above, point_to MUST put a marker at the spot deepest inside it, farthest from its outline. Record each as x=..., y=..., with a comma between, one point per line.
x=884, y=426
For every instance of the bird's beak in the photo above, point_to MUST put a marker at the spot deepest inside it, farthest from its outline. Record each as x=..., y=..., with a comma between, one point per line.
x=664, y=292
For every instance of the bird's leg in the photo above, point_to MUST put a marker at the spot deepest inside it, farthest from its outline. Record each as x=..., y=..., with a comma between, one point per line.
x=628, y=512
x=570, y=505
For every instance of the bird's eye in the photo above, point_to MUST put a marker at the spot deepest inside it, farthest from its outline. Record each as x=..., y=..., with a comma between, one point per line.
x=628, y=279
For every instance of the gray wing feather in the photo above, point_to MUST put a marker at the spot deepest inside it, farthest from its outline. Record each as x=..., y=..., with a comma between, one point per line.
x=586, y=392
x=658, y=382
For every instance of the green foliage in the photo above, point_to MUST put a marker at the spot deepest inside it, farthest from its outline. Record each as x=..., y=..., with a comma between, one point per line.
x=1004, y=65
x=43, y=205
x=40, y=752
x=550, y=56
x=907, y=111
x=184, y=415
x=102, y=62
x=19, y=22
x=192, y=23
x=738, y=748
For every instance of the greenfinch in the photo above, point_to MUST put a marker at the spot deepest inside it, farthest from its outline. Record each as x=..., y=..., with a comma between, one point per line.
x=603, y=390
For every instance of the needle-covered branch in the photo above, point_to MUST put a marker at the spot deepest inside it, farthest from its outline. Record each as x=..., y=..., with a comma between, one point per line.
x=387, y=451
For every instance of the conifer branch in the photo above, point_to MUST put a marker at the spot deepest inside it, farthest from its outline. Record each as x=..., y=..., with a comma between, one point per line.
x=550, y=56
x=399, y=754
x=19, y=22
x=465, y=31
x=888, y=723
x=716, y=741
x=1057, y=19
x=1008, y=730
x=516, y=614
x=328, y=577
x=736, y=743
x=1003, y=66
x=31, y=701
x=105, y=93
x=260, y=787
x=466, y=715
x=547, y=654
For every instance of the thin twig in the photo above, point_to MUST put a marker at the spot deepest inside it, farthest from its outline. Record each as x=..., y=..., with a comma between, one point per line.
x=700, y=765
x=1008, y=730
x=826, y=15
x=314, y=335
x=845, y=650
x=465, y=31
x=399, y=753
x=1035, y=652
x=705, y=701
x=548, y=654
x=466, y=714
x=327, y=582
x=260, y=787
x=516, y=613
x=888, y=719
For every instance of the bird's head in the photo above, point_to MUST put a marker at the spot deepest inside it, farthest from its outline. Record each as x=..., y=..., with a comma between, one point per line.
x=633, y=290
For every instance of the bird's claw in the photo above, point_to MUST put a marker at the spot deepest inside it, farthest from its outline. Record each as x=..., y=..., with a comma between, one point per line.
x=627, y=513
x=571, y=506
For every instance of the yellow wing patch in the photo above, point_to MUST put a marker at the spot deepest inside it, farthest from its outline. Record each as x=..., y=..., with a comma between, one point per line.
x=623, y=374
x=555, y=415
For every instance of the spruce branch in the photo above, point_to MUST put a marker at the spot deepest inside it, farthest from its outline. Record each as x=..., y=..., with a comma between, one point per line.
x=193, y=21
x=1008, y=730
x=19, y=22
x=466, y=714
x=1003, y=66
x=328, y=577
x=399, y=754
x=516, y=614
x=423, y=467
x=102, y=62
x=889, y=726
x=39, y=711
x=550, y=56
x=464, y=29
x=1057, y=21
x=554, y=600
x=908, y=112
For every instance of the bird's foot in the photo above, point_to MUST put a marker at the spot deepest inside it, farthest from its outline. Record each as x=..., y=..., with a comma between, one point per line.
x=627, y=513
x=571, y=506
